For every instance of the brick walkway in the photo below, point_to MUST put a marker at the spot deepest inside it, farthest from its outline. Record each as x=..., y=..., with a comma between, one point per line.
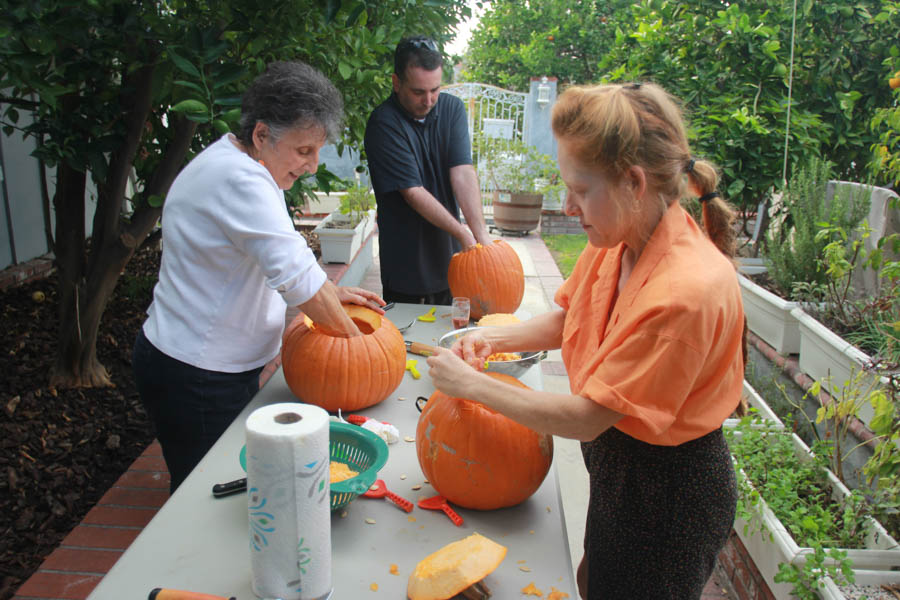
x=73, y=570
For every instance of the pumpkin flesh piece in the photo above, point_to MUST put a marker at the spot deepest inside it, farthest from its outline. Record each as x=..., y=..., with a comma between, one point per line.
x=454, y=567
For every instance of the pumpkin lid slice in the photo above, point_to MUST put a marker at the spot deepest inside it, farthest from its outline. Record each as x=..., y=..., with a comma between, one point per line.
x=453, y=568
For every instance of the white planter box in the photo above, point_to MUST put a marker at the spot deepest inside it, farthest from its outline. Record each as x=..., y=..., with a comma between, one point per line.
x=773, y=544
x=770, y=317
x=751, y=266
x=325, y=204
x=824, y=354
x=756, y=401
x=341, y=245
x=874, y=578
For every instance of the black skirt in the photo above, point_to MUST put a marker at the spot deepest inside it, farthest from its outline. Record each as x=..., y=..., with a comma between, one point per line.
x=658, y=515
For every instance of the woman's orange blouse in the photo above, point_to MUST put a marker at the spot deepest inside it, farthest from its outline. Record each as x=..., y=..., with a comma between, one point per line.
x=667, y=353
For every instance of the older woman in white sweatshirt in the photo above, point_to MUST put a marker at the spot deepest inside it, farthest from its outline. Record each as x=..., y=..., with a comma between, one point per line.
x=231, y=264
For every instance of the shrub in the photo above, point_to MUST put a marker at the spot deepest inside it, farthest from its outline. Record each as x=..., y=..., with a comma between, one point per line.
x=793, y=249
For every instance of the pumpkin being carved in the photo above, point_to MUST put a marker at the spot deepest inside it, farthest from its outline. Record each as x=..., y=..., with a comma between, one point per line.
x=490, y=276
x=347, y=373
x=478, y=458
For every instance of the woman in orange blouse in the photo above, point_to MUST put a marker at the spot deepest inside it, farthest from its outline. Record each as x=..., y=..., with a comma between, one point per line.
x=651, y=331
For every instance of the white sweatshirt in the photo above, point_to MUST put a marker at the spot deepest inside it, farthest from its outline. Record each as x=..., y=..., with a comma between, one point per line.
x=231, y=261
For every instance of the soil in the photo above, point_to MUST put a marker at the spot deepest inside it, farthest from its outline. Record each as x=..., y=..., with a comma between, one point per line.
x=60, y=450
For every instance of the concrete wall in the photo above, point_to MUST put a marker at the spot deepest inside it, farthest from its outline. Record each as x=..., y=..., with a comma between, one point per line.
x=21, y=218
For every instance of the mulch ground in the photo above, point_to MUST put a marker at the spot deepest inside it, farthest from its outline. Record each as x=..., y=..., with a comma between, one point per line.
x=60, y=450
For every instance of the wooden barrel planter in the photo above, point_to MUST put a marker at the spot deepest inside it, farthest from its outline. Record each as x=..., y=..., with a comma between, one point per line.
x=517, y=211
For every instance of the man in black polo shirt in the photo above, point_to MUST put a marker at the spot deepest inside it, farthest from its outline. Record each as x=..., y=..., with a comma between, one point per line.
x=420, y=162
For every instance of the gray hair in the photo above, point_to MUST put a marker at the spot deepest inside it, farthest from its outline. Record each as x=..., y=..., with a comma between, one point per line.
x=291, y=95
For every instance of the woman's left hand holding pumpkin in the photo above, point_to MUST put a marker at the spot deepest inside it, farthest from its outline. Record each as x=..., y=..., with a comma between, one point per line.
x=451, y=374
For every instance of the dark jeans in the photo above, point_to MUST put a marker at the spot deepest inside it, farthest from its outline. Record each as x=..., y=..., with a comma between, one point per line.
x=190, y=407
x=444, y=297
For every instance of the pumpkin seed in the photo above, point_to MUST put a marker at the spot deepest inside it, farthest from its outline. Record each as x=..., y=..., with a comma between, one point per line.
x=409, y=439
x=417, y=487
x=403, y=476
x=370, y=521
x=524, y=568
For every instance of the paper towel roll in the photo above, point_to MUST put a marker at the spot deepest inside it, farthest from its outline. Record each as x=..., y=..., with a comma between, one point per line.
x=288, y=500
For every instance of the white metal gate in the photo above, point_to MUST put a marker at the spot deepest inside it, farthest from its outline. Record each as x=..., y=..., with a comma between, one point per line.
x=492, y=112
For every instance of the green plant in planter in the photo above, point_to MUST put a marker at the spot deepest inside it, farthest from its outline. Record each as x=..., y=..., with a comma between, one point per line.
x=512, y=166
x=797, y=491
x=870, y=322
x=356, y=203
x=792, y=250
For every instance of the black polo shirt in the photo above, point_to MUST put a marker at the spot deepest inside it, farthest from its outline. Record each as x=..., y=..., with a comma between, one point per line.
x=403, y=153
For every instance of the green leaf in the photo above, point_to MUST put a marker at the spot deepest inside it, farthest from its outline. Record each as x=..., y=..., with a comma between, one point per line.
x=183, y=64
x=190, y=107
x=345, y=70
x=232, y=116
x=155, y=200
x=331, y=10
x=229, y=74
x=228, y=101
x=221, y=126
x=354, y=15
x=190, y=85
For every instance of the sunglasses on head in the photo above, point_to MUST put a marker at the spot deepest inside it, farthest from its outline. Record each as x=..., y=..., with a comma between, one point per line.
x=420, y=43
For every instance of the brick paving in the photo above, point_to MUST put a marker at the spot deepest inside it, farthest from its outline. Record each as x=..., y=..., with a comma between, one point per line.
x=73, y=570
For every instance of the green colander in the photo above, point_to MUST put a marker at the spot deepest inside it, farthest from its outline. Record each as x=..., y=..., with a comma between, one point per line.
x=360, y=449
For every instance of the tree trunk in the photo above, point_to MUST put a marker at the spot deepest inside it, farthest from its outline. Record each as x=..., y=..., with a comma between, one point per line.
x=86, y=286
x=76, y=357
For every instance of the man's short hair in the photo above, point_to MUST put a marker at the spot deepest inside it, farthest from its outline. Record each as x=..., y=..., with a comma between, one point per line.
x=416, y=51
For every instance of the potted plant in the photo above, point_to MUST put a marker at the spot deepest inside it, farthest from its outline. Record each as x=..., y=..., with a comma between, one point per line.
x=792, y=253
x=798, y=521
x=842, y=329
x=519, y=177
x=343, y=231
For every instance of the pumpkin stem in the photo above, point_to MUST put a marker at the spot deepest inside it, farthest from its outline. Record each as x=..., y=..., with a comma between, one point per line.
x=477, y=591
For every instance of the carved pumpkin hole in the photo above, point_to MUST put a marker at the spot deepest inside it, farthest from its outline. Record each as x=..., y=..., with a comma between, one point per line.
x=365, y=327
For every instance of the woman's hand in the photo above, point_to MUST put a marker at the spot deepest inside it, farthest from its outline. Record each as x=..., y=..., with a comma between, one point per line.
x=473, y=348
x=357, y=295
x=451, y=374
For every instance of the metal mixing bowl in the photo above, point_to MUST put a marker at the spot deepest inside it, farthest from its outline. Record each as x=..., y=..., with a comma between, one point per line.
x=516, y=368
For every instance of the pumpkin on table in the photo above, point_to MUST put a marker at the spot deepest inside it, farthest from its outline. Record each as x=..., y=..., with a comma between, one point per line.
x=476, y=457
x=491, y=277
x=347, y=373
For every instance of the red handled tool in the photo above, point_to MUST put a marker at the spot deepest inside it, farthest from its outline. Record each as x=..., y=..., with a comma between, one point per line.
x=440, y=503
x=379, y=490
x=166, y=594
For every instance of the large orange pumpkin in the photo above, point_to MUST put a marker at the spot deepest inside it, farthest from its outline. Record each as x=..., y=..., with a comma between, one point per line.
x=347, y=373
x=490, y=276
x=478, y=458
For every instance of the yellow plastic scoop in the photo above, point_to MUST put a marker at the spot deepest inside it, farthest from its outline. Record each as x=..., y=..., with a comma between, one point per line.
x=429, y=316
x=411, y=367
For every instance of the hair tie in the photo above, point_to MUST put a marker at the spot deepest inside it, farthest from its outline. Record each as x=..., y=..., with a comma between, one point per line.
x=708, y=196
x=690, y=167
